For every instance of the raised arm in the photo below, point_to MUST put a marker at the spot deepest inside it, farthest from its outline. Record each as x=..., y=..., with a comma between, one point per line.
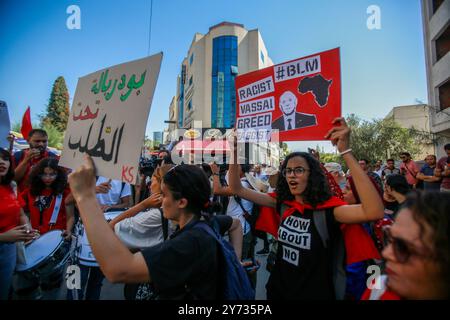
x=218, y=189
x=115, y=260
x=371, y=207
x=154, y=201
x=236, y=187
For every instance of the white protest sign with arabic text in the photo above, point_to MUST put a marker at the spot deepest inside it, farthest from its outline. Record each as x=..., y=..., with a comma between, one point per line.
x=109, y=116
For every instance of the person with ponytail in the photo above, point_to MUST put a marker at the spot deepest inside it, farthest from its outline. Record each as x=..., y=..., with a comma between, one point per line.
x=183, y=267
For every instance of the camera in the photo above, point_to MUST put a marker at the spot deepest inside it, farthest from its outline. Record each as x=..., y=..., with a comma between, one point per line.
x=148, y=166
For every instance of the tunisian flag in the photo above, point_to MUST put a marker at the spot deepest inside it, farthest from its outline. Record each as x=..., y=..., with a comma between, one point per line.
x=26, y=124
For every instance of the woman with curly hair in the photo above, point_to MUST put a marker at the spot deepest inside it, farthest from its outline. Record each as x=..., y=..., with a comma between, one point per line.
x=306, y=219
x=417, y=254
x=48, y=186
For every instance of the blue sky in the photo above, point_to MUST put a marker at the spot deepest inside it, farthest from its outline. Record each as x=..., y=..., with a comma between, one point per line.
x=380, y=68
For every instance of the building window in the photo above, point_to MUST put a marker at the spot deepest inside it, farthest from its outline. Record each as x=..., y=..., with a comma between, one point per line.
x=262, y=57
x=190, y=81
x=444, y=95
x=181, y=97
x=191, y=59
x=443, y=44
x=189, y=107
x=436, y=5
x=224, y=71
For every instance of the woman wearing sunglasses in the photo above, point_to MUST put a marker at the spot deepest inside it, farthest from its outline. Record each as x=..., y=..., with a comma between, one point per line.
x=417, y=254
x=306, y=219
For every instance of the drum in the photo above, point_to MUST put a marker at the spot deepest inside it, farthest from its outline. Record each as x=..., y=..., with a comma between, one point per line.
x=84, y=250
x=45, y=256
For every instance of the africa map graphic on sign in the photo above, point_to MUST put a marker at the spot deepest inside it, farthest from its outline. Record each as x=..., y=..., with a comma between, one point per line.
x=318, y=86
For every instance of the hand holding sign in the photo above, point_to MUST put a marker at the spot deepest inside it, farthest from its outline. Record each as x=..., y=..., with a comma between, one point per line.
x=82, y=181
x=339, y=135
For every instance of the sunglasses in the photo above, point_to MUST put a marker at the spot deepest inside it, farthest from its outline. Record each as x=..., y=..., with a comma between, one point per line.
x=403, y=251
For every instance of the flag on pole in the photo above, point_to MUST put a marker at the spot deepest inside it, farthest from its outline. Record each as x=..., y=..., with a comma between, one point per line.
x=26, y=124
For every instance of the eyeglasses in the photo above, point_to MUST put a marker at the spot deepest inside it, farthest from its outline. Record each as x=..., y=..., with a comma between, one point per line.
x=402, y=249
x=298, y=171
x=51, y=176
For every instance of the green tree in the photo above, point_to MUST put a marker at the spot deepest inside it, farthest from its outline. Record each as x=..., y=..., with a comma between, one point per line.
x=57, y=113
x=55, y=137
x=380, y=139
x=284, y=150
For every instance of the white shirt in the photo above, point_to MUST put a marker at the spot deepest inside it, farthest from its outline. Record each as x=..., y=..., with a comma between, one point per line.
x=234, y=209
x=141, y=231
x=115, y=194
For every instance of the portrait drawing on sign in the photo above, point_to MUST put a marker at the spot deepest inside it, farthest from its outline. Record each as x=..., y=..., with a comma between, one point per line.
x=291, y=119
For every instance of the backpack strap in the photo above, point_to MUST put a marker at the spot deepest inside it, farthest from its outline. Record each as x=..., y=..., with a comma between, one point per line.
x=165, y=225
x=320, y=222
x=56, y=209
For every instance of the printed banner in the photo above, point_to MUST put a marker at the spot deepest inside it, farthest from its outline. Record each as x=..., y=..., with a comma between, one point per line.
x=108, y=118
x=5, y=125
x=299, y=98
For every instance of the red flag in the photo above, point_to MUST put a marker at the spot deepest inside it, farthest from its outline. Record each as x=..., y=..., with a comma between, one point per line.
x=26, y=124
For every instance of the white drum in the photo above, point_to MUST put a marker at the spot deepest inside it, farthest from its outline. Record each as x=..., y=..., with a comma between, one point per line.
x=46, y=255
x=84, y=250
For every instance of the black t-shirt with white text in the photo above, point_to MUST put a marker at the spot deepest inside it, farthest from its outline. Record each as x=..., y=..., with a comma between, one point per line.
x=302, y=269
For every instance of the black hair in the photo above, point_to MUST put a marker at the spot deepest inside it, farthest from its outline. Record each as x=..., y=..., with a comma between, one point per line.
x=447, y=146
x=190, y=182
x=317, y=190
x=390, y=160
x=207, y=169
x=398, y=183
x=365, y=160
x=38, y=131
x=405, y=154
x=246, y=168
x=5, y=155
x=431, y=155
x=36, y=183
x=431, y=208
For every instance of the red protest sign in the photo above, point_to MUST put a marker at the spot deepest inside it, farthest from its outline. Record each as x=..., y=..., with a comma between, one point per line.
x=300, y=98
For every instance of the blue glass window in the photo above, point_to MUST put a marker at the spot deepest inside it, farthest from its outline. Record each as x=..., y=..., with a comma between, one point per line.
x=224, y=71
x=191, y=59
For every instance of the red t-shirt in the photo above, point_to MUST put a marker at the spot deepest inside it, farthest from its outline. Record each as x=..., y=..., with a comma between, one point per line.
x=411, y=170
x=441, y=165
x=42, y=223
x=9, y=209
x=24, y=183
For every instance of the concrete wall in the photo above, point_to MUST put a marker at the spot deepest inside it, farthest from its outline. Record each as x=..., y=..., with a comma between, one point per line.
x=438, y=72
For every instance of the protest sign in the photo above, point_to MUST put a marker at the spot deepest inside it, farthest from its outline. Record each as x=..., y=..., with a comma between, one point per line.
x=109, y=116
x=300, y=98
x=5, y=125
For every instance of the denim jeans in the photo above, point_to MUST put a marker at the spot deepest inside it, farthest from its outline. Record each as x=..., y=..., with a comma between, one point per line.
x=91, y=284
x=8, y=258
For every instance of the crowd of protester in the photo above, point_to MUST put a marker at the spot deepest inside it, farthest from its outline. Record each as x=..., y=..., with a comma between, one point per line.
x=322, y=225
